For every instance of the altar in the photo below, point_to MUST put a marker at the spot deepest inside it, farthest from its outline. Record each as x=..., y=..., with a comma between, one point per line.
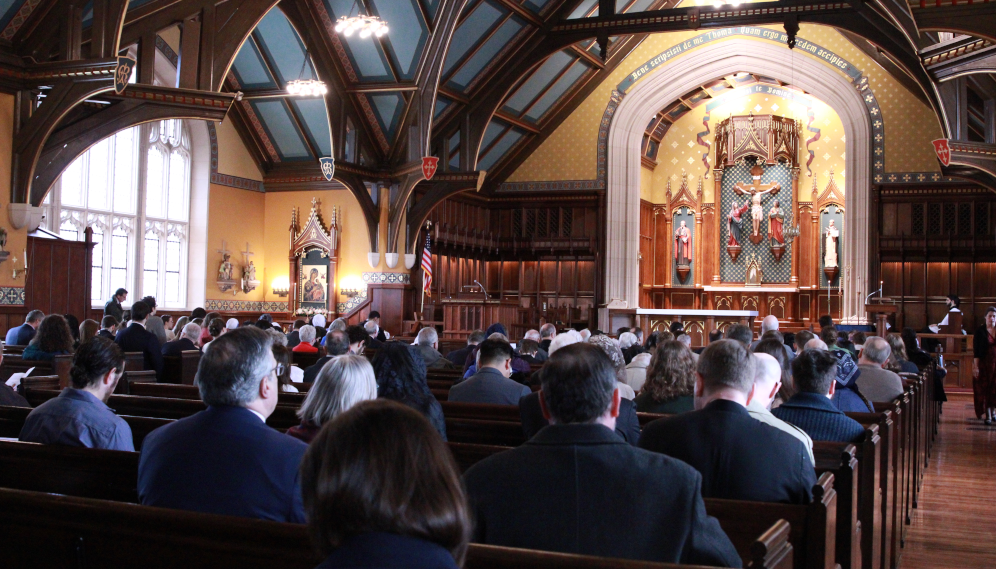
x=746, y=238
x=697, y=323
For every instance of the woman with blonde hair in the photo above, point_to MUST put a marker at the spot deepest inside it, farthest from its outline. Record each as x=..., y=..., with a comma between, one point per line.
x=343, y=382
x=670, y=382
x=898, y=360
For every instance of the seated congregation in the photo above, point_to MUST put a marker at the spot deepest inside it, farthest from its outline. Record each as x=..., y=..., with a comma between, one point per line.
x=575, y=442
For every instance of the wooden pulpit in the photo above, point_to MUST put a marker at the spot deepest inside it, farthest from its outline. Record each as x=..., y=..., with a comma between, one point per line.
x=954, y=324
x=881, y=313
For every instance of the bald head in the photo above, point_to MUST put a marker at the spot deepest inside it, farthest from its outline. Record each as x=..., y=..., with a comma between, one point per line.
x=876, y=351
x=767, y=378
x=769, y=323
x=817, y=344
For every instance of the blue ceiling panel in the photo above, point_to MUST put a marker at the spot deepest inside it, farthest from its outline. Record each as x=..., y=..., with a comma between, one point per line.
x=470, y=31
x=494, y=154
x=495, y=127
x=441, y=104
x=364, y=53
x=316, y=121
x=283, y=47
x=250, y=71
x=8, y=9
x=486, y=53
x=536, y=5
x=408, y=33
x=280, y=127
x=638, y=6
x=557, y=91
x=388, y=107
x=583, y=8
x=539, y=80
x=430, y=8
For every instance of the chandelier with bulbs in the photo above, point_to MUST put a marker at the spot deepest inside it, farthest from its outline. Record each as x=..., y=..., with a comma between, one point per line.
x=365, y=25
x=306, y=88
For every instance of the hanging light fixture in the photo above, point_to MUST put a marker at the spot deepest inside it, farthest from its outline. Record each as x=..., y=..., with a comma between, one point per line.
x=365, y=25
x=306, y=87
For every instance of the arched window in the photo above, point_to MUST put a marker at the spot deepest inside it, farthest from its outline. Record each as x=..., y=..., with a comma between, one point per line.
x=133, y=189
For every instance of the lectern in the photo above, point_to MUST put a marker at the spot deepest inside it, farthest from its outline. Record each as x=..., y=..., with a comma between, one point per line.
x=881, y=314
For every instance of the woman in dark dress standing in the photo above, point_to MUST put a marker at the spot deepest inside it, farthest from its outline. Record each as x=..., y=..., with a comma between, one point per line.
x=984, y=368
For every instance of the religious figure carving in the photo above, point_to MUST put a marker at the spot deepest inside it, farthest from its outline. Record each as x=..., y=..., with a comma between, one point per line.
x=683, y=245
x=756, y=190
x=734, y=220
x=830, y=239
x=250, y=272
x=225, y=269
x=776, y=223
x=314, y=289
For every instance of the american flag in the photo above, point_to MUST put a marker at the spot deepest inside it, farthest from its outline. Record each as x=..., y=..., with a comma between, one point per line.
x=427, y=267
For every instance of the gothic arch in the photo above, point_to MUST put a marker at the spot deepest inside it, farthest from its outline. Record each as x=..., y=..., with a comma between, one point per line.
x=680, y=75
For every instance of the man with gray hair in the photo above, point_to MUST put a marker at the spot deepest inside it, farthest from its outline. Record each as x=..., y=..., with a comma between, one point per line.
x=22, y=335
x=547, y=333
x=877, y=384
x=427, y=343
x=372, y=329
x=188, y=339
x=770, y=324
x=226, y=460
x=458, y=357
x=767, y=382
x=541, y=354
x=739, y=457
x=687, y=341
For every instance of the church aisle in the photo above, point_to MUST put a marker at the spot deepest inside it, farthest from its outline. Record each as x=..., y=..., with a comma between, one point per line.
x=955, y=524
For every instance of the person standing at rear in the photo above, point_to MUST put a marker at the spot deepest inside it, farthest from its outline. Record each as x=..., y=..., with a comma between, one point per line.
x=984, y=368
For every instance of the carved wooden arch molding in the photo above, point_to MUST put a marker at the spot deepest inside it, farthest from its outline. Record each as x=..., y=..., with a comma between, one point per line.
x=65, y=145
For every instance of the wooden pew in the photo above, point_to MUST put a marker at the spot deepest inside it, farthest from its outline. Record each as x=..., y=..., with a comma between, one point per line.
x=839, y=459
x=11, y=349
x=59, y=366
x=134, y=361
x=305, y=360
x=887, y=443
x=12, y=420
x=45, y=530
x=74, y=471
x=42, y=382
x=181, y=369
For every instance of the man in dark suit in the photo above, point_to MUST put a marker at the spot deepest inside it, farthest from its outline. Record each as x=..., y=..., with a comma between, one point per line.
x=627, y=423
x=374, y=317
x=113, y=306
x=187, y=341
x=108, y=327
x=373, y=330
x=457, y=357
x=491, y=383
x=814, y=373
x=226, y=460
x=294, y=336
x=739, y=457
x=570, y=503
x=337, y=344
x=22, y=335
x=547, y=333
x=135, y=338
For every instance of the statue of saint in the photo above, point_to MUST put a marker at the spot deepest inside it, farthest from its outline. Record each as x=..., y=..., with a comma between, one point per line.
x=776, y=223
x=734, y=220
x=225, y=269
x=250, y=272
x=830, y=244
x=683, y=245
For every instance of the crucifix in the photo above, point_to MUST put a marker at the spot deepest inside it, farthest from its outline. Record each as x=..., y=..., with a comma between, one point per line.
x=756, y=190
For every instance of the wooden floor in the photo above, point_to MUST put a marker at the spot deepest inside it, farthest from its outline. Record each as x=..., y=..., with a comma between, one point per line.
x=955, y=523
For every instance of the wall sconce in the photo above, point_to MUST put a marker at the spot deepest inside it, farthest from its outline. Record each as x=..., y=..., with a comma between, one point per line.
x=351, y=287
x=281, y=287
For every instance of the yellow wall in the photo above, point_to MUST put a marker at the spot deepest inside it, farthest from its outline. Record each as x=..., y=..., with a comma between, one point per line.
x=570, y=151
x=16, y=239
x=235, y=216
x=233, y=158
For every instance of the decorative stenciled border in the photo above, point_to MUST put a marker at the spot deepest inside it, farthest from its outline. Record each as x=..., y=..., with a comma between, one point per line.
x=12, y=296
x=387, y=278
x=246, y=306
x=227, y=179
x=18, y=20
x=916, y=178
x=349, y=305
x=167, y=51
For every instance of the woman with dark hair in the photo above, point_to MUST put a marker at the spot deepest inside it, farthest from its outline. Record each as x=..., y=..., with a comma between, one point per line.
x=53, y=338
x=670, y=382
x=922, y=359
x=984, y=368
x=381, y=489
x=283, y=357
x=88, y=330
x=401, y=376
x=74, y=328
x=776, y=349
x=168, y=324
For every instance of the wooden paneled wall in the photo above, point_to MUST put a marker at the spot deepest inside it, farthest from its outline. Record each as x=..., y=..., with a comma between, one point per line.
x=933, y=242
x=540, y=251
